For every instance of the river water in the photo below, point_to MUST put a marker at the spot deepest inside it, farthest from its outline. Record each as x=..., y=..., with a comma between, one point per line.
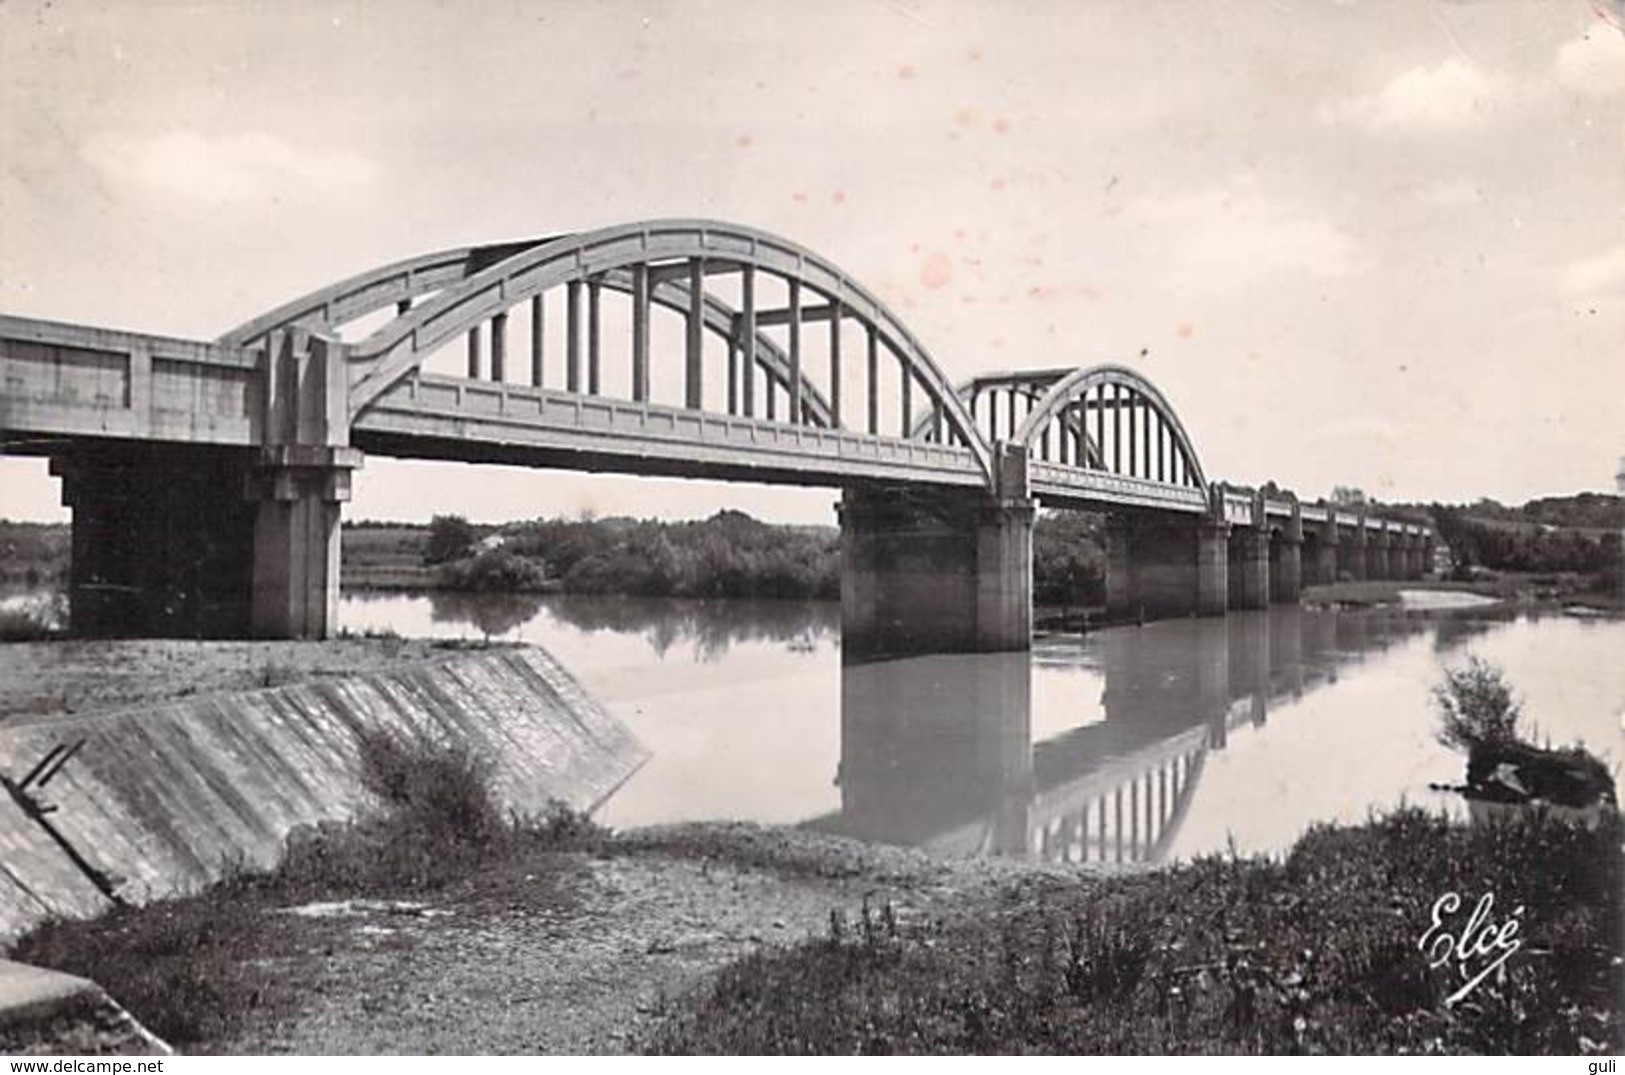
x=1140, y=744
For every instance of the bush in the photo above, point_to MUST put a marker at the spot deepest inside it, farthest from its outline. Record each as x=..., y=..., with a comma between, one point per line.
x=494, y=571
x=1476, y=707
x=33, y=620
x=727, y=555
x=439, y=820
x=450, y=538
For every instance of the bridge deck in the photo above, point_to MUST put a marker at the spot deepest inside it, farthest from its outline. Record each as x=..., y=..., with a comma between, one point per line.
x=455, y=418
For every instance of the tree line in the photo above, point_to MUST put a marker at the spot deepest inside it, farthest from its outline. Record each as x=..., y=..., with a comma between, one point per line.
x=730, y=554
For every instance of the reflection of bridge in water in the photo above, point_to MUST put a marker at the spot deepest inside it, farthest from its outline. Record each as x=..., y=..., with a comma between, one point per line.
x=939, y=751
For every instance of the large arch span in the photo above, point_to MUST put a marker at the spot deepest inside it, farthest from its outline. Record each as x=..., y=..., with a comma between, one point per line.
x=400, y=284
x=673, y=263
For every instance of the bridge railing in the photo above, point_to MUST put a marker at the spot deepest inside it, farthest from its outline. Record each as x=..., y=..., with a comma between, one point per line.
x=500, y=418
x=1236, y=508
x=65, y=379
x=1060, y=482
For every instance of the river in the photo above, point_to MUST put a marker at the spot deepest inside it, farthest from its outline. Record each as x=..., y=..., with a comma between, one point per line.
x=1138, y=744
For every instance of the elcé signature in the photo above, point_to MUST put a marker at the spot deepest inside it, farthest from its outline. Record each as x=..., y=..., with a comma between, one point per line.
x=1480, y=940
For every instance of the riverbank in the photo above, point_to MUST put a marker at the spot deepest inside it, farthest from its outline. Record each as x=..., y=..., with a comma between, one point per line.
x=1563, y=591
x=738, y=939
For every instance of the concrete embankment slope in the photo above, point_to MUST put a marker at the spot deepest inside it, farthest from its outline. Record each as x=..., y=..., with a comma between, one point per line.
x=168, y=796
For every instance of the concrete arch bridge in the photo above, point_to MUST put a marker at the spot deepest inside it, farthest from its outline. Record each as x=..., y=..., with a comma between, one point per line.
x=677, y=347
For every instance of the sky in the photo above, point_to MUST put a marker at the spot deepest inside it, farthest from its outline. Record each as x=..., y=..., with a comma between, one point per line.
x=1371, y=244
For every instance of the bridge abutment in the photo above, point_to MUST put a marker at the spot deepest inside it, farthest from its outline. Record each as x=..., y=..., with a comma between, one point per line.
x=207, y=541
x=934, y=571
x=160, y=538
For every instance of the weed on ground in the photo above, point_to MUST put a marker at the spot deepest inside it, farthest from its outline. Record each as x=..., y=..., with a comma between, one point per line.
x=1319, y=952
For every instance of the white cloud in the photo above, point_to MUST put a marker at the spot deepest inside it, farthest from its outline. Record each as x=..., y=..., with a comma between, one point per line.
x=249, y=168
x=1454, y=93
x=1594, y=62
x=1596, y=275
x=1234, y=234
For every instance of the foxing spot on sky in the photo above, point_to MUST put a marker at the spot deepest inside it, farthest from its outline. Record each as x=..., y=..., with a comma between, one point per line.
x=1374, y=244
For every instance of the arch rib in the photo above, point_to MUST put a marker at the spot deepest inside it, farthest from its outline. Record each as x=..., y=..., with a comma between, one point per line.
x=366, y=293
x=397, y=349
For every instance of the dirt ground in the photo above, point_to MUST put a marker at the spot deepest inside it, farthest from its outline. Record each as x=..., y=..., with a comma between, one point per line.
x=41, y=680
x=647, y=920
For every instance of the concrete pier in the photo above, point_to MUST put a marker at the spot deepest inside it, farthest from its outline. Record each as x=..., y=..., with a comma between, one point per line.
x=1377, y=564
x=1320, y=556
x=296, y=541
x=928, y=571
x=1249, y=552
x=1286, y=563
x=1351, y=554
x=1159, y=566
x=300, y=482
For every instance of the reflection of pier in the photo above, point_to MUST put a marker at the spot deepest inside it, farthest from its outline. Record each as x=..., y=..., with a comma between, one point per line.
x=937, y=751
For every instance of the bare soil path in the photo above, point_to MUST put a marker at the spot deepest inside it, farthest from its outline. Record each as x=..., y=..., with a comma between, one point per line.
x=514, y=968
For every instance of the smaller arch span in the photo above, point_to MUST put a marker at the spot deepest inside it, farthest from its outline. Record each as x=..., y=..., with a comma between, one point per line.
x=1010, y=396
x=1134, y=429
